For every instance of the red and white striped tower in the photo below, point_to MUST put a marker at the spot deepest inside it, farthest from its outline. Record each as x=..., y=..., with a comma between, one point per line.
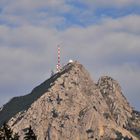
x=58, y=66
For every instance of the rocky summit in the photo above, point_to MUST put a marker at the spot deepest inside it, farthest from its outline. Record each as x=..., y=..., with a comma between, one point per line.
x=71, y=106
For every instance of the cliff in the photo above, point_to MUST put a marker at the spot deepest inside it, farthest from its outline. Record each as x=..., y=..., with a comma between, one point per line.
x=71, y=106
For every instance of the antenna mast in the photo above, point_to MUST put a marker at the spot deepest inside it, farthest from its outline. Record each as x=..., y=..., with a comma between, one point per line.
x=58, y=66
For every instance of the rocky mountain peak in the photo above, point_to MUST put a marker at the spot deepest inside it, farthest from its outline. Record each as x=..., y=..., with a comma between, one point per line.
x=71, y=106
x=117, y=103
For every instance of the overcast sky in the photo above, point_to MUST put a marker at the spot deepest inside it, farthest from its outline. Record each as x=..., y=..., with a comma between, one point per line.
x=103, y=35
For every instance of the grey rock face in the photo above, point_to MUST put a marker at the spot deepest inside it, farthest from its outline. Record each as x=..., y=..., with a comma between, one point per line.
x=117, y=103
x=73, y=107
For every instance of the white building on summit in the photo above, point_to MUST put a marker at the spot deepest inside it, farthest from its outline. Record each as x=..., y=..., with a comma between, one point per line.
x=70, y=61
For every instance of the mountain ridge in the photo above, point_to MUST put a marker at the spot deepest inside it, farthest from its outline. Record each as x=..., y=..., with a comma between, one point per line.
x=31, y=97
x=70, y=105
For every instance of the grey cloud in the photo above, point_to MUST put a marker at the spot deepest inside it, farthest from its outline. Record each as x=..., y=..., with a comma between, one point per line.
x=29, y=12
x=28, y=53
x=51, y=12
x=100, y=39
x=115, y=3
x=31, y=5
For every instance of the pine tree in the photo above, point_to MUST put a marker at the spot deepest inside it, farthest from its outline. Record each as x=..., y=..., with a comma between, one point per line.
x=6, y=133
x=29, y=134
x=52, y=73
x=1, y=134
x=16, y=136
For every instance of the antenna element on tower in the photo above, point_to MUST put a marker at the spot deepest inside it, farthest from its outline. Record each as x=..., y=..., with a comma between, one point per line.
x=58, y=66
